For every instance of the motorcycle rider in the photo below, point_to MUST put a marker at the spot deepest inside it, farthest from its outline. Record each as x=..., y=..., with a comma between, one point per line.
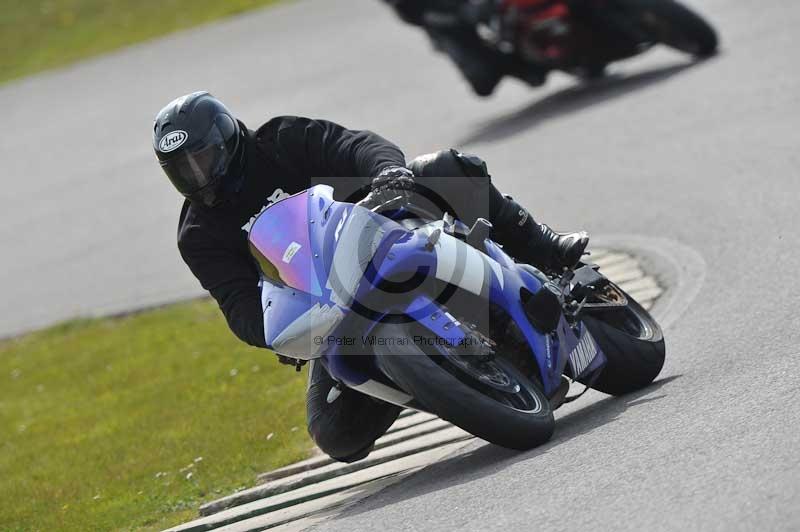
x=452, y=26
x=229, y=174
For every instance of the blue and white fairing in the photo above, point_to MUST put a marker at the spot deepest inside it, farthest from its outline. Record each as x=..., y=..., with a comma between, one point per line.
x=321, y=259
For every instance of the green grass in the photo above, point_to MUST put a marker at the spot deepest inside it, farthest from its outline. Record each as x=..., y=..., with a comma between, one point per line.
x=40, y=34
x=131, y=423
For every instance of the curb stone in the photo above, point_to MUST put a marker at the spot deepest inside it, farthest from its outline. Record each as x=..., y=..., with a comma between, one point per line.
x=444, y=434
x=407, y=419
x=316, y=491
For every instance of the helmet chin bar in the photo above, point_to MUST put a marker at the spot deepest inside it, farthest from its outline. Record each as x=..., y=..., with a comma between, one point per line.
x=209, y=196
x=222, y=190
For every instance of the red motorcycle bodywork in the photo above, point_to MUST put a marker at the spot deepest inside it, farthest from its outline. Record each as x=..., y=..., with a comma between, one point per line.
x=549, y=33
x=539, y=8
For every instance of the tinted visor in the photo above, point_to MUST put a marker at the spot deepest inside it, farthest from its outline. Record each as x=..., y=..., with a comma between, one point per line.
x=193, y=170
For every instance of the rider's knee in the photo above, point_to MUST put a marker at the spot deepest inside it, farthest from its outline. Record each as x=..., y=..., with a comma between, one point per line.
x=346, y=426
x=335, y=441
x=330, y=428
x=449, y=163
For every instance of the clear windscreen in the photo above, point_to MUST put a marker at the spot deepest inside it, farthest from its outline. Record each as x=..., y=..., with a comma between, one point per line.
x=279, y=241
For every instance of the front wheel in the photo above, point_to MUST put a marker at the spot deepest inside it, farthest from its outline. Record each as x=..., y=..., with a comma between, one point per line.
x=633, y=344
x=677, y=26
x=490, y=399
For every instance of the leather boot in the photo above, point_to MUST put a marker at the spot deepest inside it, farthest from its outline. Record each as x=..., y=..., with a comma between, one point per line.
x=534, y=243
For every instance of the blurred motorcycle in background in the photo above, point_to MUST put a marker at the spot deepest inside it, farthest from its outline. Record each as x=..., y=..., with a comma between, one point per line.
x=581, y=37
x=527, y=39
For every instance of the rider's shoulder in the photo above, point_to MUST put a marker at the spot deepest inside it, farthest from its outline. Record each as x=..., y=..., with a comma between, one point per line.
x=287, y=132
x=282, y=126
x=279, y=123
x=192, y=227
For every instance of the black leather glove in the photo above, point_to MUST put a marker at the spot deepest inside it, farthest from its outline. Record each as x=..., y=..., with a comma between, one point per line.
x=392, y=182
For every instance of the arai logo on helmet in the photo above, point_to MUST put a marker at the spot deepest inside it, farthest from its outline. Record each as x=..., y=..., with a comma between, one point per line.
x=172, y=141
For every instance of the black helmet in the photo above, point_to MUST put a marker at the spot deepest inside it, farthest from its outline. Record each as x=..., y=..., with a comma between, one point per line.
x=200, y=146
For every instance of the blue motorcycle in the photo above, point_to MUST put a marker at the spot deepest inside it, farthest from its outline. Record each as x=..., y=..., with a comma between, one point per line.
x=421, y=311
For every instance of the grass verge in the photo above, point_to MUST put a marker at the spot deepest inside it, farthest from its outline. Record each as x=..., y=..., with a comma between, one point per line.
x=131, y=423
x=40, y=34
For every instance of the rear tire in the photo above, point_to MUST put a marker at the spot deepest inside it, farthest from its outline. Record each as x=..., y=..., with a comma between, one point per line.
x=677, y=26
x=635, y=357
x=464, y=401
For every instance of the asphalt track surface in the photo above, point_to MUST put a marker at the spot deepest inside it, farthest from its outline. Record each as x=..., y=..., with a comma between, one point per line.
x=702, y=155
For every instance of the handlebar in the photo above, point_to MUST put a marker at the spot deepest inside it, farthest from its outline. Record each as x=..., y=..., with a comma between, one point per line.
x=396, y=202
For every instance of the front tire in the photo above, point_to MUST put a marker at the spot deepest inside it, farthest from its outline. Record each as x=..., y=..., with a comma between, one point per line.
x=521, y=420
x=633, y=344
x=677, y=26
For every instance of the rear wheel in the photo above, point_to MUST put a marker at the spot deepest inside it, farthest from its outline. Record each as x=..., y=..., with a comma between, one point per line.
x=488, y=398
x=633, y=344
x=677, y=26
